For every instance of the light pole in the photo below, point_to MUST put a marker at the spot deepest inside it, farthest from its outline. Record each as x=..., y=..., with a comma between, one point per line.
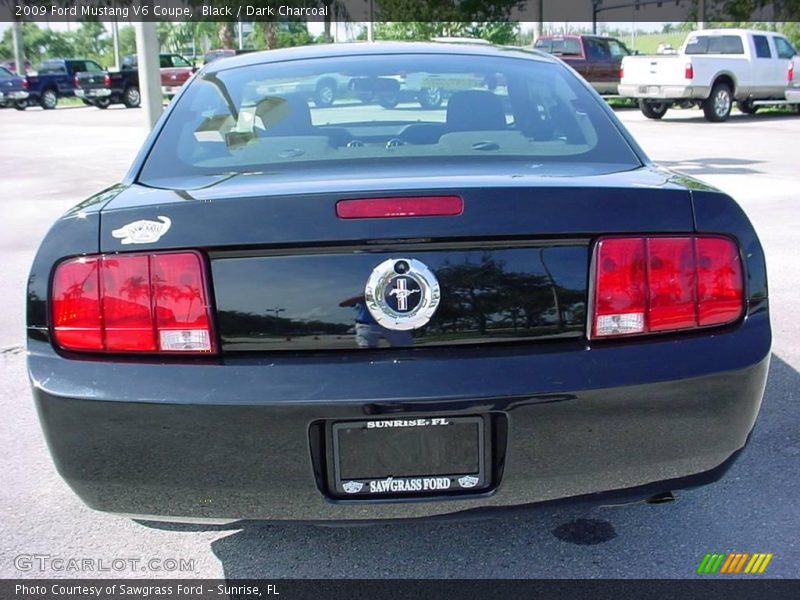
x=149, y=71
x=370, y=23
x=19, y=54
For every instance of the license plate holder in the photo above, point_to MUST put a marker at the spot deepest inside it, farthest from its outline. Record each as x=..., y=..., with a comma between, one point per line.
x=413, y=456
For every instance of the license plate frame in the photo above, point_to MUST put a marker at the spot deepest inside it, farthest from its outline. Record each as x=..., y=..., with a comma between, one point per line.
x=430, y=435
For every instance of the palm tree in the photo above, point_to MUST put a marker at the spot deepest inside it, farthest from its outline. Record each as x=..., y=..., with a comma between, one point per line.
x=337, y=9
x=192, y=293
x=226, y=34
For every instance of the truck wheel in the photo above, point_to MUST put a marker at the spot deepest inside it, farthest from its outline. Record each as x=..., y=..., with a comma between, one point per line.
x=388, y=100
x=747, y=107
x=653, y=110
x=131, y=97
x=103, y=103
x=21, y=104
x=430, y=98
x=48, y=100
x=325, y=93
x=717, y=107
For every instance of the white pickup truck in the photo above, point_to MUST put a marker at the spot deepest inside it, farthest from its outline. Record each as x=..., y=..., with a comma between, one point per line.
x=714, y=68
x=793, y=91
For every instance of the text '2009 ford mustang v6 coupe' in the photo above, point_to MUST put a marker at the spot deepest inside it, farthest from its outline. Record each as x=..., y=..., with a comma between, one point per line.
x=377, y=309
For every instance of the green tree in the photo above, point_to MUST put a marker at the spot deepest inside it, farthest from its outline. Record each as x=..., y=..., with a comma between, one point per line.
x=446, y=10
x=271, y=34
x=32, y=42
x=91, y=40
x=498, y=32
x=127, y=40
x=495, y=32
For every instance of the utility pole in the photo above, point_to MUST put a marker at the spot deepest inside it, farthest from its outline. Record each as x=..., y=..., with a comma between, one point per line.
x=149, y=71
x=241, y=36
x=371, y=24
x=115, y=39
x=701, y=14
x=538, y=25
x=19, y=54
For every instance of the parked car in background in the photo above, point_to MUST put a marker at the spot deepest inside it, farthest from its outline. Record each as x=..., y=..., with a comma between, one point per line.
x=11, y=65
x=793, y=89
x=175, y=71
x=323, y=89
x=714, y=69
x=13, y=90
x=213, y=55
x=103, y=88
x=55, y=78
x=596, y=58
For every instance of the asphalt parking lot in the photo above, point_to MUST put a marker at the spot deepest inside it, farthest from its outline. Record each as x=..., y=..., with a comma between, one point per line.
x=49, y=160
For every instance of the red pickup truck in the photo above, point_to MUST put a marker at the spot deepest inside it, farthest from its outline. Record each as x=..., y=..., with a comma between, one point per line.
x=102, y=88
x=596, y=58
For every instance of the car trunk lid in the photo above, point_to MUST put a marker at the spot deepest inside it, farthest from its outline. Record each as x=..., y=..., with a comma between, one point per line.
x=288, y=274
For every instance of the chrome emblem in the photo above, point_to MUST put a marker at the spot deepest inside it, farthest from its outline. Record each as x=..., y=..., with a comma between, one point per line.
x=468, y=481
x=402, y=294
x=142, y=232
x=352, y=487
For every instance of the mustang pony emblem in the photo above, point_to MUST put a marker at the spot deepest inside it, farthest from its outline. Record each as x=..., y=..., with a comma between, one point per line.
x=402, y=292
x=142, y=232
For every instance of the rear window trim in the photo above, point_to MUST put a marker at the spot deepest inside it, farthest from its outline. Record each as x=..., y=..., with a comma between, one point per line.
x=134, y=175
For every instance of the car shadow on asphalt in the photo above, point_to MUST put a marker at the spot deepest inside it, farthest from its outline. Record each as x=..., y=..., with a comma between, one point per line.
x=749, y=510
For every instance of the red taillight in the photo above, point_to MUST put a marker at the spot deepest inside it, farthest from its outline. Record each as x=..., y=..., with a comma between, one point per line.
x=384, y=208
x=132, y=303
x=107, y=80
x=620, y=295
x=75, y=304
x=25, y=84
x=790, y=72
x=648, y=285
x=76, y=81
x=621, y=72
x=688, y=72
x=720, y=287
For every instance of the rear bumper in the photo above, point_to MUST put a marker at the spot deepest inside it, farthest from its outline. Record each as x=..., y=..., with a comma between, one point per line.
x=664, y=92
x=94, y=93
x=15, y=95
x=793, y=95
x=230, y=441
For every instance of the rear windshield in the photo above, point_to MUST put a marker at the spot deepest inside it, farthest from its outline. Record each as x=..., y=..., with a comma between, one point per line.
x=51, y=66
x=714, y=44
x=560, y=46
x=387, y=109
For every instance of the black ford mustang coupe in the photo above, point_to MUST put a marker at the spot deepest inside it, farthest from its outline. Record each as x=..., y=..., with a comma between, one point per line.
x=377, y=310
